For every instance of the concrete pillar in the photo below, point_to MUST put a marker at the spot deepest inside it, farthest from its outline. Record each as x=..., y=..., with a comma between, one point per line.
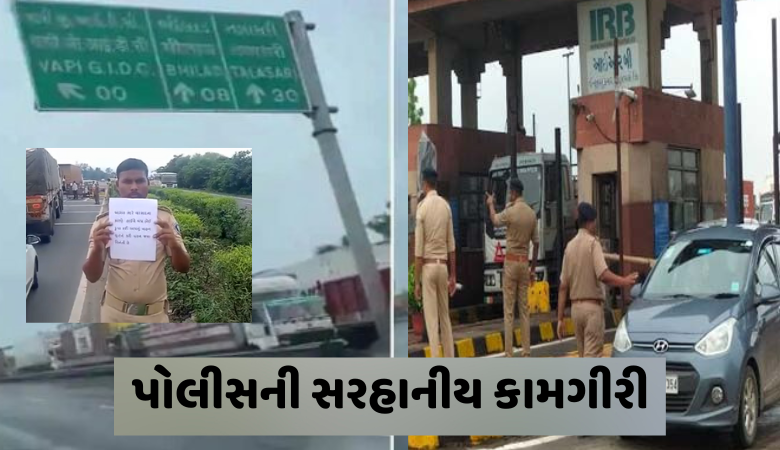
x=440, y=54
x=706, y=27
x=513, y=71
x=657, y=32
x=469, y=70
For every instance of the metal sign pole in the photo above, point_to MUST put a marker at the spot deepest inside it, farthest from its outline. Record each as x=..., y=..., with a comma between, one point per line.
x=325, y=133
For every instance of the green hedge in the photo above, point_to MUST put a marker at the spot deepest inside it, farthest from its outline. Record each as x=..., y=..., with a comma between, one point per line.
x=218, y=236
x=222, y=218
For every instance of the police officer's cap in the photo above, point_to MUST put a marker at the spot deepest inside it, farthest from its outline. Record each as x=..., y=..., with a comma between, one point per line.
x=516, y=186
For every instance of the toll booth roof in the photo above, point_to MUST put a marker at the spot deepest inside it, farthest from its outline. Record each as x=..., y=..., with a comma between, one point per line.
x=541, y=25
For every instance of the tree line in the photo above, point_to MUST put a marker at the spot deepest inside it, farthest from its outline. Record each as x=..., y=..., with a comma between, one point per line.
x=213, y=172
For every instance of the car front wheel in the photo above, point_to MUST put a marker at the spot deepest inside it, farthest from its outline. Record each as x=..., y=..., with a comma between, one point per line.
x=747, y=423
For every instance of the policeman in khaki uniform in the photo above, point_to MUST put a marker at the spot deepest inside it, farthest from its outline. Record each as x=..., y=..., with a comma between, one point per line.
x=520, y=222
x=435, y=264
x=584, y=269
x=136, y=291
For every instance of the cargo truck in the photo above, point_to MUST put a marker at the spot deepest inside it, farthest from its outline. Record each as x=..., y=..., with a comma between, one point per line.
x=32, y=354
x=287, y=313
x=45, y=199
x=71, y=173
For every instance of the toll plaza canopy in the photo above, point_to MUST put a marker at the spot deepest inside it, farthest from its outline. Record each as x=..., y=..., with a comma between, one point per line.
x=540, y=25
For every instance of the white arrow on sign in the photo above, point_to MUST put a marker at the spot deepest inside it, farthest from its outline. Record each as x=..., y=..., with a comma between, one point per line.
x=256, y=93
x=68, y=90
x=184, y=91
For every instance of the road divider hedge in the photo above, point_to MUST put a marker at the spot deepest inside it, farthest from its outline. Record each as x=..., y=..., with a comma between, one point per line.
x=218, y=237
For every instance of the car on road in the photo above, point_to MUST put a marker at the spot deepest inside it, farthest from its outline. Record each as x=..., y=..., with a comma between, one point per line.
x=32, y=263
x=711, y=307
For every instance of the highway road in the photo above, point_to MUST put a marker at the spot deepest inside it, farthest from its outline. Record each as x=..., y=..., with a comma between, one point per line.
x=768, y=438
x=60, y=263
x=76, y=414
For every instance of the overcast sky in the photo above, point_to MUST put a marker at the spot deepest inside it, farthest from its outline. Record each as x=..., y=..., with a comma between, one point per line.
x=544, y=81
x=111, y=157
x=294, y=207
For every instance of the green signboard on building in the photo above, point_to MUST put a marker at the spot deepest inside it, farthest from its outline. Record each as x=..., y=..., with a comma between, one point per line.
x=85, y=57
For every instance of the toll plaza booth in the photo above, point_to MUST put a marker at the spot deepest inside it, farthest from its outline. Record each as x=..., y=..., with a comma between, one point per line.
x=672, y=147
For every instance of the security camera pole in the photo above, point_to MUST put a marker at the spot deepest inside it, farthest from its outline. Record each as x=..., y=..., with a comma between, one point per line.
x=619, y=174
x=325, y=133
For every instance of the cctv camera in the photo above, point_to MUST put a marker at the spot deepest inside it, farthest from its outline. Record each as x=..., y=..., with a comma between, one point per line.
x=628, y=93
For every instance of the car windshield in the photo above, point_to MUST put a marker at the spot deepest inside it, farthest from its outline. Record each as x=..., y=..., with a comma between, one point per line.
x=531, y=176
x=700, y=268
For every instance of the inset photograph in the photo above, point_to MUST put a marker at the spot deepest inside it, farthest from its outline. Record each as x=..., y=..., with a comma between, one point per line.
x=148, y=235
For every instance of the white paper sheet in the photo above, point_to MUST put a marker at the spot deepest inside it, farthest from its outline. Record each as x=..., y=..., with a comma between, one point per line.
x=133, y=226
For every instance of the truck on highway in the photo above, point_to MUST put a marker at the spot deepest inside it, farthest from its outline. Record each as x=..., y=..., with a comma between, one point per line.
x=71, y=173
x=538, y=173
x=45, y=199
x=167, y=179
x=287, y=313
x=32, y=354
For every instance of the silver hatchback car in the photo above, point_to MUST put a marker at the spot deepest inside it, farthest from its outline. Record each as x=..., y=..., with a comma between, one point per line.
x=711, y=307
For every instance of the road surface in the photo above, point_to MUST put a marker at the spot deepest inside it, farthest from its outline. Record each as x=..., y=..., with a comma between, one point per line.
x=77, y=414
x=768, y=438
x=60, y=263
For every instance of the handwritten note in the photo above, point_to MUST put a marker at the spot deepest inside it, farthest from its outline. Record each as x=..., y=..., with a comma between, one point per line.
x=133, y=226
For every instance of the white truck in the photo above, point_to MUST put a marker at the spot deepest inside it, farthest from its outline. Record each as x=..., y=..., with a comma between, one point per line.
x=167, y=179
x=292, y=318
x=537, y=171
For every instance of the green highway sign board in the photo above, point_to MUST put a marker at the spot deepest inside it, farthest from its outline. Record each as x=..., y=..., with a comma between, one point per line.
x=86, y=58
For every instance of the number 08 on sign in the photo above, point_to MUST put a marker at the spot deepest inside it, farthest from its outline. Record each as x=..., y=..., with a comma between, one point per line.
x=86, y=57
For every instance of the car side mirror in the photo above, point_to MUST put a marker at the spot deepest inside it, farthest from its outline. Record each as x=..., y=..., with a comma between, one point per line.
x=770, y=293
x=33, y=240
x=635, y=291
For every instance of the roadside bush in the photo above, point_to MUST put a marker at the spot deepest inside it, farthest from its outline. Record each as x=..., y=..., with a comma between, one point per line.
x=189, y=223
x=233, y=270
x=218, y=236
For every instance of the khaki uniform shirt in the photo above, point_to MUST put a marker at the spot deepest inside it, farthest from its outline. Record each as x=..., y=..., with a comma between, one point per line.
x=583, y=265
x=434, y=237
x=520, y=222
x=139, y=281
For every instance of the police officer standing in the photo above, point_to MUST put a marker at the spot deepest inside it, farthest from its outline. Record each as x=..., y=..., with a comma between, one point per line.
x=583, y=271
x=435, y=264
x=520, y=222
x=136, y=291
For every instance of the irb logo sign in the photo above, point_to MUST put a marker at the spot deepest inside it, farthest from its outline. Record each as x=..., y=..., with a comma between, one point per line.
x=612, y=22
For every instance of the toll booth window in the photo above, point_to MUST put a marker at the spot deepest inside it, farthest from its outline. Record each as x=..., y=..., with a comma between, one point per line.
x=471, y=211
x=684, y=189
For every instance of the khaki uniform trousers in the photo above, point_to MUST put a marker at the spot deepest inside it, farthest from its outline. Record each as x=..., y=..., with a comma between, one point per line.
x=588, y=318
x=111, y=315
x=516, y=281
x=436, y=308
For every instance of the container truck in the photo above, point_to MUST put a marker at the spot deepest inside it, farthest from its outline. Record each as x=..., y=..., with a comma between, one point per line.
x=45, y=199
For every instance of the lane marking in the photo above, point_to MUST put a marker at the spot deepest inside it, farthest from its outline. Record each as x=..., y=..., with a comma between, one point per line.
x=76, y=223
x=527, y=444
x=29, y=440
x=111, y=407
x=81, y=292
